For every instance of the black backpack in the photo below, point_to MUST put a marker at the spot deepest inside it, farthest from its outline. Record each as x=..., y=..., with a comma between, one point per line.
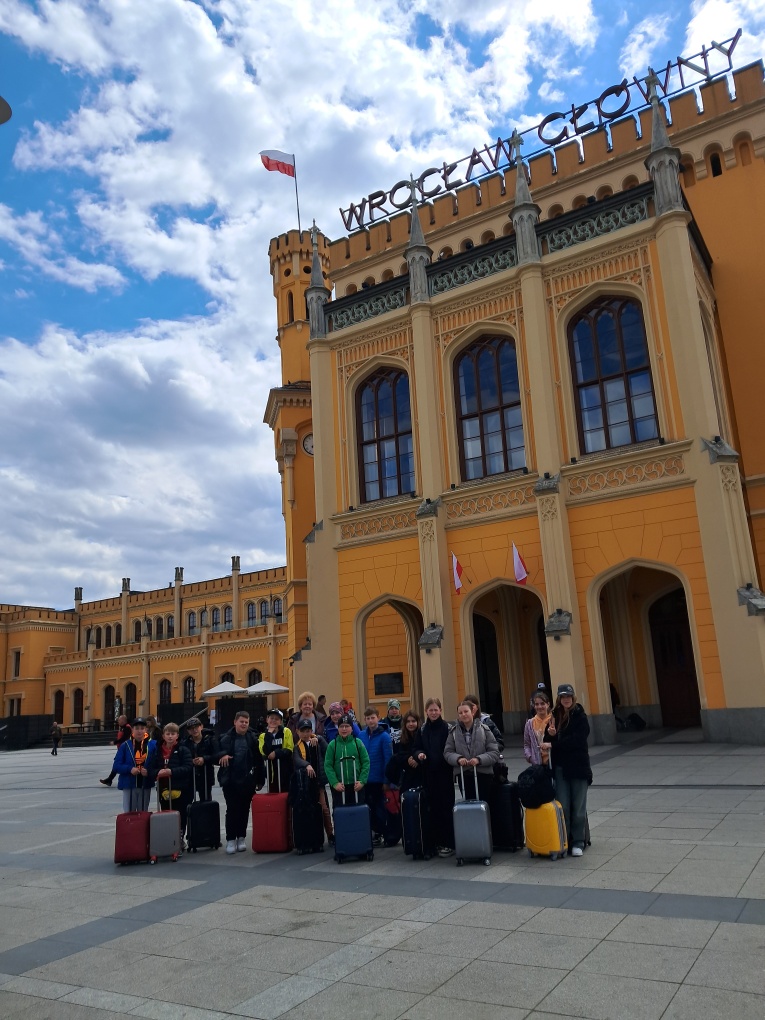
x=535, y=786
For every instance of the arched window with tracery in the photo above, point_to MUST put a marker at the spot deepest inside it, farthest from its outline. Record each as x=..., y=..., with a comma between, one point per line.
x=137, y=630
x=227, y=678
x=108, y=636
x=77, y=705
x=254, y=677
x=216, y=619
x=165, y=692
x=109, y=719
x=264, y=612
x=611, y=373
x=118, y=633
x=58, y=706
x=98, y=637
x=130, y=701
x=171, y=627
x=488, y=401
x=252, y=614
x=278, y=610
x=384, y=431
x=204, y=618
x=189, y=690
x=228, y=618
x=159, y=628
x=192, y=623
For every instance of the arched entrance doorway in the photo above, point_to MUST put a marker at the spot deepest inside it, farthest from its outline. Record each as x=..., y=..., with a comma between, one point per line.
x=388, y=658
x=58, y=706
x=507, y=656
x=649, y=655
x=673, y=660
x=109, y=717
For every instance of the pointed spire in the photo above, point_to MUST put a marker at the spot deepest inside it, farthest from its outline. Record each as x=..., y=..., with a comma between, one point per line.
x=317, y=294
x=418, y=254
x=525, y=214
x=663, y=162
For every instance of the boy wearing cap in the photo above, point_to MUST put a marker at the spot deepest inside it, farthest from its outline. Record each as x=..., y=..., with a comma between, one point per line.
x=566, y=740
x=203, y=746
x=309, y=754
x=277, y=745
x=130, y=765
x=341, y=773
x=393, y=720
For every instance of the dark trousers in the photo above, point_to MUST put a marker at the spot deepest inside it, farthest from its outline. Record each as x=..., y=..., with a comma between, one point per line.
x=56, y=742
x=238, y=797
x=376, y=801
x=485, y=787
x=440, y=789
x=572, y=794
x=349, y=798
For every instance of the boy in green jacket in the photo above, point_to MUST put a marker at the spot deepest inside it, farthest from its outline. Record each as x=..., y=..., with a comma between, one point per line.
x=340, y=774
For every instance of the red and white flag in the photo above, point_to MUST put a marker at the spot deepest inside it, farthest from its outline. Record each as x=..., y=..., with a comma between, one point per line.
x=519, y=567
x=457, y=573
x=283, y=162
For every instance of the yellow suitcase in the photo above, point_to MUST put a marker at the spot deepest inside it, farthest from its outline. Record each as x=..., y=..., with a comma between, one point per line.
x=546, y=830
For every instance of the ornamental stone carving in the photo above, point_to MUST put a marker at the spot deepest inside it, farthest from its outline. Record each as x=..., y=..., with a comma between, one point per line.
x=490, y=502
x=605, y=222
x=402, y=520
x=729, y=475
x=548, y=508
x=625, y=475
x=427, y=531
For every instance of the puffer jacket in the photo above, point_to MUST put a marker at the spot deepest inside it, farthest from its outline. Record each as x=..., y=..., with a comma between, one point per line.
x=125, y=760
x=179, y=763
x=569, y=751
x=483, y=746
x=338, y=771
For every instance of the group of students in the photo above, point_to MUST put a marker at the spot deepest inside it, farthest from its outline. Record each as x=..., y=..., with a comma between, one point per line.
x=360, y=764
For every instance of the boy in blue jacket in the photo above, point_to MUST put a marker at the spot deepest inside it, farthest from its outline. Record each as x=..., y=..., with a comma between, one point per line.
x=130, y=765
x=379, y=747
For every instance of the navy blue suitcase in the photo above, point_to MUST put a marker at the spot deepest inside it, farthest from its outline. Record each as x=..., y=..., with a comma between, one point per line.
x=415, y=822
x=353, y=829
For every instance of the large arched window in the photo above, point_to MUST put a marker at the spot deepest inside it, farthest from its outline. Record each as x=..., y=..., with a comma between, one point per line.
x=165, y=692
x=189, y=690
x=252, y=614
x=264, y=612
x=137, y=630
x=216, y=619
x=488, y=399
x=171, y=626
x=254, y=677
x=118, y=633
x=612, y=376
x=77, y=705
x=227, y=678
x=130, y=701
x=98, y=637
x=159, y=628
x=228, y=618
x=278, y=610
x=58, y=706
x=204, y=618
x=109, y=719
x=108, y=636
x=384, y=430
x=192, y=623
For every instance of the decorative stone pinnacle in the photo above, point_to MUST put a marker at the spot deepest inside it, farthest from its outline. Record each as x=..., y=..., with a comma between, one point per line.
x=515, y=144
x=416, y=236
x=659, y=136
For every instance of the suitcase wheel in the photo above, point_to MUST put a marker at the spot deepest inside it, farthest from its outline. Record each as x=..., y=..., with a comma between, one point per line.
x=553, y=857
x=459, y=862
x=153, y=860
x=531, y=853
x=371, y=855
x=339, y=859
x=174, y=858
x=193, y=849
x=487, y=861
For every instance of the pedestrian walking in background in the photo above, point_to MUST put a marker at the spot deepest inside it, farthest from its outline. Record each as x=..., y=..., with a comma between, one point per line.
x=566, y=740
x=56, y=735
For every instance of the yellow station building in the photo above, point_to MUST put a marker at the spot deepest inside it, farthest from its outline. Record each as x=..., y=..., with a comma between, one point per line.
x=563, y=356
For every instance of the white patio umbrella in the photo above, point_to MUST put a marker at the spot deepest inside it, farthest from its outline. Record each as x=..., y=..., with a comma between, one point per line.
x=266, y=687
x=225, y=688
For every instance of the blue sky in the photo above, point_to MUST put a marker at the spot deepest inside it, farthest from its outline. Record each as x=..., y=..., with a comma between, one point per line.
x=136, y=317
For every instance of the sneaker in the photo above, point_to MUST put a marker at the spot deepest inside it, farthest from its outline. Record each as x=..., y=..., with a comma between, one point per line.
x=378, y=841
x=241, y=844
x=231, y=846
x=577, y=851
x=445, y=851
x=105, y=782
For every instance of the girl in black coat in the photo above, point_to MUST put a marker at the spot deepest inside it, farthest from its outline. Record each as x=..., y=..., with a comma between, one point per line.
x=404, y=769
x=439, y=778
x=566, y=740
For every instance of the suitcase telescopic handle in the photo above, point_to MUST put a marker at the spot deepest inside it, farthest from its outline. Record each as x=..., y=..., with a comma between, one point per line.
x=278, y=777
x=475, y=781
x=348, y=757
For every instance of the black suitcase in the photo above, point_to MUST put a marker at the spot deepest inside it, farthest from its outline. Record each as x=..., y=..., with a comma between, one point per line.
x=202, y=823
x=506, y=817
x=307, y=818
x=415, y=821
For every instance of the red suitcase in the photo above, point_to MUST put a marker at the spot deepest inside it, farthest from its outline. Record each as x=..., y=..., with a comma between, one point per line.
x=271, y=829
x=131, y=842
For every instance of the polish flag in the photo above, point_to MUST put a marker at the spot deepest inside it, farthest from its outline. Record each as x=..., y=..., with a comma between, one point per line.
x=457, y=573
x=519, y=567
x=273, y=159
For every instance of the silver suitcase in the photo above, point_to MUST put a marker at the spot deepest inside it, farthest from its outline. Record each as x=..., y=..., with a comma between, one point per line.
x=472, y=828
x=164, y=833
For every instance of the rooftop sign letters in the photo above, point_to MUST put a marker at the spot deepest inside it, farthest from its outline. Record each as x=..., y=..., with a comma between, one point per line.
x=559, y=126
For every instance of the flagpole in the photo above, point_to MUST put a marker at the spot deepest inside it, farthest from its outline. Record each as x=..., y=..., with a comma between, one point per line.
x=297, y=200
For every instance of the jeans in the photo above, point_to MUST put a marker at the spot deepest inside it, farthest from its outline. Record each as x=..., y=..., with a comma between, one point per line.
x=136, y=800
x=572, y=794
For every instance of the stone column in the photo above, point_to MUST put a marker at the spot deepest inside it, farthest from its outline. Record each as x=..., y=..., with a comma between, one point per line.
x=125, y=605
x=177, y=605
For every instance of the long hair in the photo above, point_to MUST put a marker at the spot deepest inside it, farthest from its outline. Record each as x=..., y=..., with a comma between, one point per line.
x=407, y=738
x=561, y=715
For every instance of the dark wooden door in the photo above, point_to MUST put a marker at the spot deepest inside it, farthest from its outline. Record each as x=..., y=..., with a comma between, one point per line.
x=487, y=668
x=673, y=658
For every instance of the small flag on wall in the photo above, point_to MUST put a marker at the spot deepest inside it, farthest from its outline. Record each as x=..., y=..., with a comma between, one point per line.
x=273, y=159
x=519, y=567
x=457, y=572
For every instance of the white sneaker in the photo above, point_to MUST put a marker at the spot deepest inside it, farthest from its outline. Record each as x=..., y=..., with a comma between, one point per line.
x=231, y=846
x=241, y=844
x=577, y=851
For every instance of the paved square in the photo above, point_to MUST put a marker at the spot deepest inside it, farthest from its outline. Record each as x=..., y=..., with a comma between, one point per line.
x=664, y=917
